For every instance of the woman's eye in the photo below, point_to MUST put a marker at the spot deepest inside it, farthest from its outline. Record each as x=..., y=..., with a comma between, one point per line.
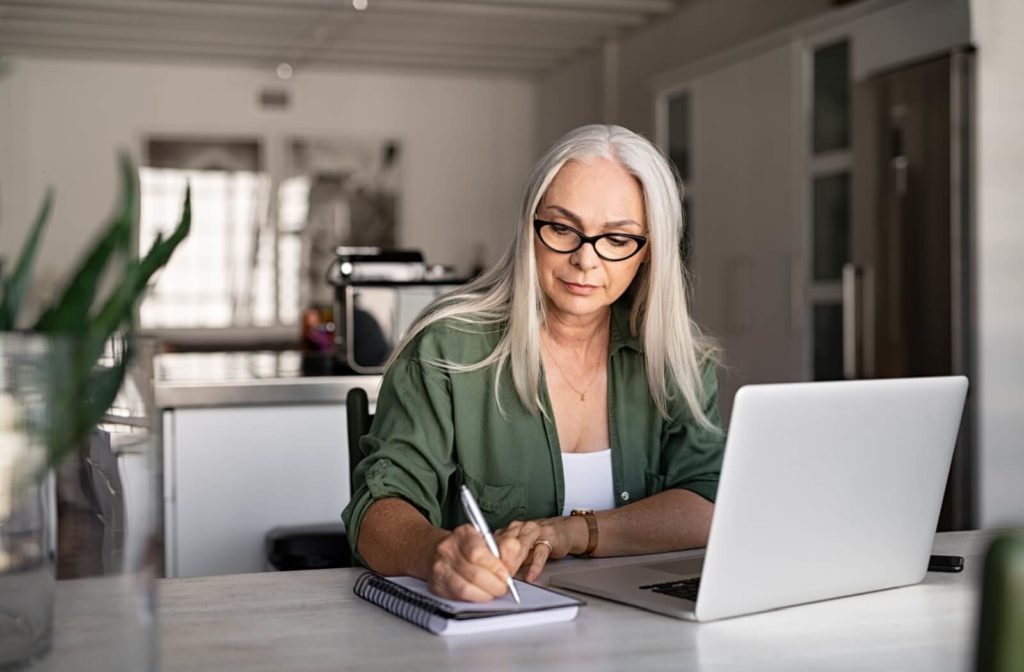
x=619, y=241
x=561, y=230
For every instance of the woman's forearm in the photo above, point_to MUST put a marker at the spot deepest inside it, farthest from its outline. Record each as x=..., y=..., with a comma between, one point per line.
x=395, y=539
x=669, y=521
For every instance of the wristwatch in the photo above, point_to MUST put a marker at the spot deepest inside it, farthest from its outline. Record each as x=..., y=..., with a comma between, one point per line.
x=591, y=519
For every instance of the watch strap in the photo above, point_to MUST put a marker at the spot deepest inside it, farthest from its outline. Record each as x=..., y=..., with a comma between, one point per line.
x=591, y=519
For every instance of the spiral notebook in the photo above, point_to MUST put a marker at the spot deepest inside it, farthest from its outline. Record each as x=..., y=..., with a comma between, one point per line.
x=410, y=599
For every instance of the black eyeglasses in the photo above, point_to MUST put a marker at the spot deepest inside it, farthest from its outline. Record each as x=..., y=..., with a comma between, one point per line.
x=609, y=246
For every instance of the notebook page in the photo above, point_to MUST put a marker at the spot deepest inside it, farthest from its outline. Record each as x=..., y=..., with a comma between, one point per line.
x=533, y=597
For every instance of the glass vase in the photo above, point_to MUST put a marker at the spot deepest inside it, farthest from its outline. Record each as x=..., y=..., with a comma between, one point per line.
x=27, y=502
x=88, y=522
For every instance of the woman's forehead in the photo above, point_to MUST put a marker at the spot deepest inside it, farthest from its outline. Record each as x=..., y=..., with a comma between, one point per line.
x=598, y=168
x=599, y=187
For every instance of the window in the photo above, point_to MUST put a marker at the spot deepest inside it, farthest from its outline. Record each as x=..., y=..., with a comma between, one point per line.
x=260, y=242
x=214, y=269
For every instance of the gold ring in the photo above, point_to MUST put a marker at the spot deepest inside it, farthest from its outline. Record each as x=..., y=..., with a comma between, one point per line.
x=545, y=542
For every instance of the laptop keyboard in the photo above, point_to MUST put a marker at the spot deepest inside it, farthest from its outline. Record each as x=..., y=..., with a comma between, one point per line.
x=685, y=588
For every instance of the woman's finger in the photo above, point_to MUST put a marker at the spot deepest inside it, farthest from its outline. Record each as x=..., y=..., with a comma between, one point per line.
x=465, y=568
x=540, y=554
x=491, y=583
x=513, y=553
x=510, y=529
x=454, y=586
x=478, y=565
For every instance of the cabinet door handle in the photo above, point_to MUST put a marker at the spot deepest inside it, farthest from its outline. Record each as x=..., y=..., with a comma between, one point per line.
x=851, y=327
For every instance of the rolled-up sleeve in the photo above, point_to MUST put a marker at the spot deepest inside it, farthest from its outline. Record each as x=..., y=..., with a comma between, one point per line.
x=409, y=447
x=691, y=455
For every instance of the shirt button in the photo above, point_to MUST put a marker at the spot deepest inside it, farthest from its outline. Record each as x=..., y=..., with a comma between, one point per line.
x=624, y=496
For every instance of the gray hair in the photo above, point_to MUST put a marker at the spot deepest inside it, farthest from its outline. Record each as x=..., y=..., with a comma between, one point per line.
x=508, y=296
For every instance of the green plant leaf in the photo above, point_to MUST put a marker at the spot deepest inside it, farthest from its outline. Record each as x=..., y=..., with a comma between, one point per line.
x=65, y=393
x=161, y=251
x=85, y=399
x=84, y=393
x=117, y=311
x=15, y=285
x=71, y=310
x=103, y=384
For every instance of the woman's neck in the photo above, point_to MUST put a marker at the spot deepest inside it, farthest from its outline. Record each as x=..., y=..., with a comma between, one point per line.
x=578, y=334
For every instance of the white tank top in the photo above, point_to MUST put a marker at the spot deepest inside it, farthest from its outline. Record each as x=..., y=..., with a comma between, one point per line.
x=588, y=481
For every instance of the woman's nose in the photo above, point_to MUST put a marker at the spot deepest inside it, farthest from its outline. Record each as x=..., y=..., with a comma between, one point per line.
x=585, y=257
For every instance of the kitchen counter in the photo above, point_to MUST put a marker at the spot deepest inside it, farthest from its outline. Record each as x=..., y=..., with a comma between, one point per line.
x=213, y=379
x=248, y=431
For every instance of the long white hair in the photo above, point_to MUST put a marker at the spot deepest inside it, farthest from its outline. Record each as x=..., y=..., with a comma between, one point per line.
x=509, y=299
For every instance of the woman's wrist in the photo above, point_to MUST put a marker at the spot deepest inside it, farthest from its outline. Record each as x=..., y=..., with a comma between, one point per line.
x=579, y=534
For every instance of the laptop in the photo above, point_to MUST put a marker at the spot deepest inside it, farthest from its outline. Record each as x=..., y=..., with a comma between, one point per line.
x=827, y=489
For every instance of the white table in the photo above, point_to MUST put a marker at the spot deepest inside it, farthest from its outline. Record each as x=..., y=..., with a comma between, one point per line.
x=299, y=621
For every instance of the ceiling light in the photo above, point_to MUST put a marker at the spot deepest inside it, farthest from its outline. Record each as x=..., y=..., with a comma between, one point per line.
x=285, y=71
x=360, y=5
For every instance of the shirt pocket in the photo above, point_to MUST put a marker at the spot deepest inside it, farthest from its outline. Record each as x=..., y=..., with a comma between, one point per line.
x=501, y=504
x=653, y=482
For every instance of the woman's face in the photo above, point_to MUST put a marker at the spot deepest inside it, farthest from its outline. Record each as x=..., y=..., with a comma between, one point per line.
x=596, y=197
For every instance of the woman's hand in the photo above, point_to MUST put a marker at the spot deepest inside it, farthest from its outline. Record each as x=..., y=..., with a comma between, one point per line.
x=463, y=568
x=542, y=540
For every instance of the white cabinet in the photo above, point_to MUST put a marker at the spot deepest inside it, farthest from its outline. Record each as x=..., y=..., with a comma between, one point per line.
x=233, y=473
x=744, y=218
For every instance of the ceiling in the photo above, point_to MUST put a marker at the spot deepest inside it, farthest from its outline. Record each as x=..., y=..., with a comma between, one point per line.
x=510, y=36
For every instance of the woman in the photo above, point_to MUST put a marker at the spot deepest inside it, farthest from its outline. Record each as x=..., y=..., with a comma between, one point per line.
x=567, y=380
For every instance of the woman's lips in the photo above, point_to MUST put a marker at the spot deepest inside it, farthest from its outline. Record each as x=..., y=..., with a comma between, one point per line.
x=582, y=290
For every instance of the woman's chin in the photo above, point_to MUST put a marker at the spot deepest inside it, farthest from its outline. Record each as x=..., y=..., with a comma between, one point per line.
x=579, y=306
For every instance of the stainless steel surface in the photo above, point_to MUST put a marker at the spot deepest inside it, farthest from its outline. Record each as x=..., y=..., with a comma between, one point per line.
x=197, y=380
x=372, y=320
x=911, y=235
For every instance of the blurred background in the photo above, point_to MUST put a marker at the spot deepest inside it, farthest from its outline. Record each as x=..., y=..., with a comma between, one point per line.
x=852, y=172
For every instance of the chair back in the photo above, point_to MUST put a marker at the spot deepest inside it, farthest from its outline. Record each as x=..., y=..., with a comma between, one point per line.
x=357, y=408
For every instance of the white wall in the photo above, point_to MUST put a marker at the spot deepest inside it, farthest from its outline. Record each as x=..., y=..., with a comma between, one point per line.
x=699, y=28
x=997, y=31
x=570, y=96
x=745, y=221
x=467, y=142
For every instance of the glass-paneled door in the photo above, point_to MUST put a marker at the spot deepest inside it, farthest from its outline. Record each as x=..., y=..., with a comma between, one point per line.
x=828, y=189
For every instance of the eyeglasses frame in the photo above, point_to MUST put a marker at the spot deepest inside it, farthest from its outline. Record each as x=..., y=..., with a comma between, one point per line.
x=538, y=224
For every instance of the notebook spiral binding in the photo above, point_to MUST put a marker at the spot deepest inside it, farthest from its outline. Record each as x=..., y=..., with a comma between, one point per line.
x=397, y=600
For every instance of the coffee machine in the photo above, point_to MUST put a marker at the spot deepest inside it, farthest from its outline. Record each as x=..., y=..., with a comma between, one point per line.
x=377, y=295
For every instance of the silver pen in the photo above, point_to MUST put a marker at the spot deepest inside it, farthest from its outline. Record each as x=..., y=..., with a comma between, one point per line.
x=476, y=517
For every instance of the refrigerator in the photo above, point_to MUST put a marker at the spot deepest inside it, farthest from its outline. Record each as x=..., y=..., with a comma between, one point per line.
x=908, y=289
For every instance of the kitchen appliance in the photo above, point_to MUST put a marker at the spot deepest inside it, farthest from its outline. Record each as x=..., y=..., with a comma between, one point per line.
x=377, y=295
x=908, y=287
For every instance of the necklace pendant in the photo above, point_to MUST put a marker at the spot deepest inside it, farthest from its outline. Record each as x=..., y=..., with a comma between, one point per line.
x=583, y=397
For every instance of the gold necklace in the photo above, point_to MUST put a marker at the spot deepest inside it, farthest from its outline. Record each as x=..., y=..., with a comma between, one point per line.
x=583, y=394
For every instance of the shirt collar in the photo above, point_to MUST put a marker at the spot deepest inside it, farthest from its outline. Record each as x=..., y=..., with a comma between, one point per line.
x=622, y=336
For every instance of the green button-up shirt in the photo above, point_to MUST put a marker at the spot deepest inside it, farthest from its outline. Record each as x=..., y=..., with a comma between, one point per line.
x=435, y=430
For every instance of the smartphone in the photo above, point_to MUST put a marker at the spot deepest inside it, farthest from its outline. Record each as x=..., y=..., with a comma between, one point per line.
x=945, y=563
